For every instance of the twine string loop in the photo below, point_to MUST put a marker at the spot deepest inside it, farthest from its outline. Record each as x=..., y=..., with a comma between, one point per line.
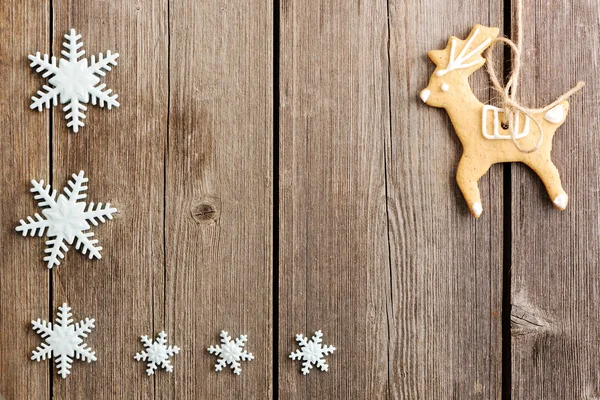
x=508, y=93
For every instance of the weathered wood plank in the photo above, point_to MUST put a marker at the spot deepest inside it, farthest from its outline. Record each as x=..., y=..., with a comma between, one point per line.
x=219, y=200
x=446, y=267
x=555, y=272
x=122, y=152
x=24, y=290
x=334, y=261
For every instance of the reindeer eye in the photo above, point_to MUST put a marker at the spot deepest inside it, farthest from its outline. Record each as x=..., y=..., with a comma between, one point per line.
x=445, y=87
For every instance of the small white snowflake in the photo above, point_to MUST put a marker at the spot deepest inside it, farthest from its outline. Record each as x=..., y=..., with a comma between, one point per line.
x=230, y=352
x=312, y=352
x=66, y=218
x=74, y=80
x=157, y=353
x=63, y=340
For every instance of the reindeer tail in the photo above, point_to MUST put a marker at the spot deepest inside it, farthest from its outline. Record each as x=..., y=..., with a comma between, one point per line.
x=558, y=114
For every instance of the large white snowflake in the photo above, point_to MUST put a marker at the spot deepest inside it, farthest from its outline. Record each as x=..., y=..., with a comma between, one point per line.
x=74, y=81
x=157, y=353
x=230, y=352
x=66, y=219
x=312, y=352
x=63, y=340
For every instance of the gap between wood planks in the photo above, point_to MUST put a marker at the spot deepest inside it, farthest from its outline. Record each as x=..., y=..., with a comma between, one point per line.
x=507, y=233
x=275, y=285
x=51, y=182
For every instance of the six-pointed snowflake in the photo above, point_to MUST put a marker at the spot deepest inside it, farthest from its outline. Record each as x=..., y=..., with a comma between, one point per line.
x=230, y=352
x=157, y=353
x=66, y=219
x=63, y=340
x=312, y=352
x=74, y=81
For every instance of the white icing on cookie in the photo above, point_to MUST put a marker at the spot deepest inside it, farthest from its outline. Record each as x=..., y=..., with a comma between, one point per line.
x=561, y=201
x=496, y=135
x=556, y=115
x=477, y=209
x=460, y=62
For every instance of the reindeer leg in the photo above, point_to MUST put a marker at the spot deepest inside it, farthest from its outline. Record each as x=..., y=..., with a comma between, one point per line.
x=548, y=173
x=468, y=173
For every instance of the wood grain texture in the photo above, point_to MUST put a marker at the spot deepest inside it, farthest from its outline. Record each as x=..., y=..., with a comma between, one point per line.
x=446, y=267
x=376, y=244
x=334, y=261
x=219, y=195
x=25, y=136
x=122, y=153
x=556, y=325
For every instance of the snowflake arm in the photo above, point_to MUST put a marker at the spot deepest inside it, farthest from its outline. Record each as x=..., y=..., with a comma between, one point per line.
x=45, y=66
x=157, y=353
x=33, y=227
x=63, y=340
x=72, y=45
x=231, y=352
x=43, y=193
x=42, y=352
x=76, y=187
x=296, y=355
x=42, y=328
x=56, y=248
x=104, y=96
x=82, y=328
x=84, y=353
x=64, y=364
x=64, y=315
x=93, y=215
x=74, y=114
x=87, y=245
x=103, y=63
x=45, y=97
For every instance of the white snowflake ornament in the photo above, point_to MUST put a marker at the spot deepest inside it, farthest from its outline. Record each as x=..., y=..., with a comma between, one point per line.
x=157, y=353
x=75, y=81
x=231, y=352
x=63, y=340
x=65, y=219
x=312, y=352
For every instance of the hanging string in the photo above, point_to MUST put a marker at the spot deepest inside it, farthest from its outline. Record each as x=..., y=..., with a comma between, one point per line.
x=508, y=93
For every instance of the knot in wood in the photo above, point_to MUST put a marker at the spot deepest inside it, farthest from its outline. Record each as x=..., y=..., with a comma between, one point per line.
x=525, y=319
x=206, y=211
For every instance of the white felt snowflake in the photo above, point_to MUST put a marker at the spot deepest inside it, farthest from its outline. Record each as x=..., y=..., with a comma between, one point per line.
x=157, y=353
x=66, y=219
x=63, y=340
x=74, y=81
x=230, y=352
x=312, y=352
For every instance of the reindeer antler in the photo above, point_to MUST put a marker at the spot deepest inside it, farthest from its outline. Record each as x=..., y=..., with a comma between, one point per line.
x=470, y=50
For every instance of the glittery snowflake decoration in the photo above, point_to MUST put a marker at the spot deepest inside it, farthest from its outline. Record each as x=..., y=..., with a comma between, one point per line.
x=63, y=340
x=65, y=219
x=157, y=353
x=230, y=352
x=312, y=352
x=74, y=80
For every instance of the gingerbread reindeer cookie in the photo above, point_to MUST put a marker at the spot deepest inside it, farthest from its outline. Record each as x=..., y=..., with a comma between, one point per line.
x=486, y=140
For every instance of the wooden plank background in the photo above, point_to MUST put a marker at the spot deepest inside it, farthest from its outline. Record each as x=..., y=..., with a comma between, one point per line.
x=276, y=173
x=555, y=275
